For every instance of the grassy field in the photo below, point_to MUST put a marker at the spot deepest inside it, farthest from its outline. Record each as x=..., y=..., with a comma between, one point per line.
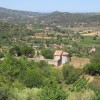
x=89, y=41
x=79, y=62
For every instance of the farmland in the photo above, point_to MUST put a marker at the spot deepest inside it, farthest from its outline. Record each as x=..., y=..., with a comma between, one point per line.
x=52, y=56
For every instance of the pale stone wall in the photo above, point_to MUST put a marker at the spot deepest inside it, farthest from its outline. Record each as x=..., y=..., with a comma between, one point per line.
x=64, y=59
x=57, y=57
x=53, y=62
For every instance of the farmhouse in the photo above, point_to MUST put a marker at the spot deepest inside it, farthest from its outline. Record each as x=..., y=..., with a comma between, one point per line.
x=60, y=57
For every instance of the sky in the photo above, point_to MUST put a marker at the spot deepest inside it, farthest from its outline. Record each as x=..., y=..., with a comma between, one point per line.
x=52, y=5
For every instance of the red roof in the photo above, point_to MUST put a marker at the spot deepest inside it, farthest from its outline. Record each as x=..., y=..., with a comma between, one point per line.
x=58, y=52
x=64, y=53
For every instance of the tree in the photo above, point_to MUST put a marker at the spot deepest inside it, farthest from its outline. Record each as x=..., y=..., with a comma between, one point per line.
x=70, y=74
x=94, y=67
x=95, y=37
x=22, y=50
x=33, y=78
x=1, y=55
x=54, y=92
x=28, y=51
x=47, y=53
x=16, y=50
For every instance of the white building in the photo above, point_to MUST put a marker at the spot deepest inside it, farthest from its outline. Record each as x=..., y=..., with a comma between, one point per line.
x=60, y=57
x=64, y=57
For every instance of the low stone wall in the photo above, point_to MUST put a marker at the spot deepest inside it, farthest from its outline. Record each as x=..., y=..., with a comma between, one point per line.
x=49, y=61
x=53, y=62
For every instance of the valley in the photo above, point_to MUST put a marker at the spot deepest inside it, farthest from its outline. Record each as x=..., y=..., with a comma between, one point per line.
x=49, y=56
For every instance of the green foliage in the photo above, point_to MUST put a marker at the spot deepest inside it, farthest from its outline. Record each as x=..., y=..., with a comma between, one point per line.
x=1, y=54
x=54, y=92
x=19, y=77
x=28, y=51
x=23, y=50
x=88, y=41
x=12, y=68
x=94, y=67
x=42, y=64
x=85, y=94
x=15, y=50
x=97, y=95
x=33, y=78
x=4, y=94
x=95, y=37
x=4, y=88
x=24, y=94
x=71, y=74
x=31, y=74
x=47, y=53
x=80, y=84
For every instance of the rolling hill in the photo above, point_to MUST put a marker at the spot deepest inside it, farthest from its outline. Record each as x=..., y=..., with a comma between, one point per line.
x=58, y=18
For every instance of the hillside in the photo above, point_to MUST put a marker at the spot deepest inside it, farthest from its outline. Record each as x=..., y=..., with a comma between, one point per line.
x=15, y=16
x=58, y=18
x=72, y=19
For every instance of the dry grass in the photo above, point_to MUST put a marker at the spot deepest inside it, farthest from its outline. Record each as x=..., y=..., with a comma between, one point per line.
x=95, y=83
x=41, y=37
x=91, y=34
x=79, y=62
x=82, y=95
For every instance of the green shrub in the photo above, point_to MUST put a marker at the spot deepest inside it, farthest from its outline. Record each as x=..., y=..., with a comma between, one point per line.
x=25, y=94
x=71, y=74
x=47, y=53
x=86, y=94
x=52, y=93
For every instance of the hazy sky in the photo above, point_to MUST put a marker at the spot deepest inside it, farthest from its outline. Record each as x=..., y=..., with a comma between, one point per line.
x=53, y=5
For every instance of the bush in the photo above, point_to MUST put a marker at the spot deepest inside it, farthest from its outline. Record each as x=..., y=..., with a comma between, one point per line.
x=97, y=95
x=33, y=78
x=4, y=88
x=28, y=51
x=15, y=51
x=94, y=67
x=25, y=94
x=47, y=53
x=86, y=94
x=71, y=74
x=1, y=55
x=53, y=92
x=23, y=50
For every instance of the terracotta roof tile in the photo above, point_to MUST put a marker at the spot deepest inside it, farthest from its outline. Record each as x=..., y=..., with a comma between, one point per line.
x=64, y=53
x=58, y=52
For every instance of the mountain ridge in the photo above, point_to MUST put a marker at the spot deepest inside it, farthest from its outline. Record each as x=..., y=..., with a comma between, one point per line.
x=57, y=17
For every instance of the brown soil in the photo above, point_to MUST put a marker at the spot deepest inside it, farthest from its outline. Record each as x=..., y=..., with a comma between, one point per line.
x=79, y=62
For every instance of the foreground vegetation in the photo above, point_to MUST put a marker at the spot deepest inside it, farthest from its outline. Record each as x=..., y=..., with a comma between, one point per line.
x=21, y=79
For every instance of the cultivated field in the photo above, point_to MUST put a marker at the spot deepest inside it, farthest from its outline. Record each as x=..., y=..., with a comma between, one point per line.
x=79, y=62
x=41, y=37
x=91, y=34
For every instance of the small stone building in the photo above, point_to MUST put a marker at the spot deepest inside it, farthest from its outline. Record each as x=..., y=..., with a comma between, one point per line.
x=60, y=57
x=64, y=57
